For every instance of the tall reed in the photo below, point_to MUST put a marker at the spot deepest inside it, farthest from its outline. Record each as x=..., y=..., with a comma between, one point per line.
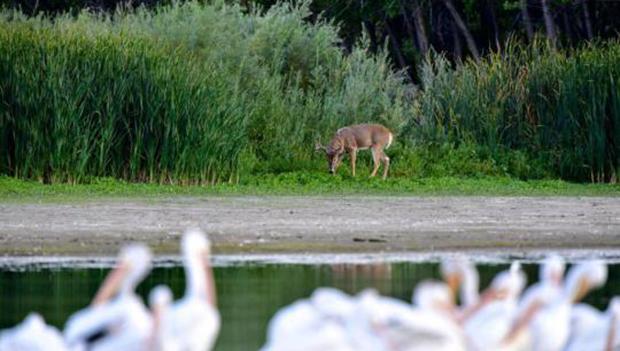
x=75, y=106
x=187, y=92
x=560, y=108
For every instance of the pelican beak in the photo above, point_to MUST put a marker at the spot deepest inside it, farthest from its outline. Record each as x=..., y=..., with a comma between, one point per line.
x=111, y=284
x=446, y=306
x=453, y=280
x=556, y=278
x=210, y=281
x=582, y=289
x=157, y=311
x=488, y=296
x=522, y=321
x=206, y=258
x=500, y=294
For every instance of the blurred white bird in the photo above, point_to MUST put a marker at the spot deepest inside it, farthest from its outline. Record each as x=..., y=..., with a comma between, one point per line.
x=588, y=275
x=385, y=323
x=461, y=276
x=117, y=319
x=316, y=323
x=603, y=334
x=160, y=299
x=542, y=320
x=587, y=322
x=32, y=335
x=193, y=322
x=488, y=322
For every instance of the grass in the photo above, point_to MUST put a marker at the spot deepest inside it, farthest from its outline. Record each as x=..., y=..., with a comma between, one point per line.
x=206, y=93
x=561, y=109
x=191, y=92
x=302, y=184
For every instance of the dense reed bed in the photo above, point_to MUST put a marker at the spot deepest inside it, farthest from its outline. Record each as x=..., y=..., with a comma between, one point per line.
x=77, y=104
x=535, y=110
x=193, y=93
x=188, y=93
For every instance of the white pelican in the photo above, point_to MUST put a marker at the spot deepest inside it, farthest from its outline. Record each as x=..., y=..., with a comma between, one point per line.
x=317, y=335
x=317, y=323
x=160, y=299
x=193, y=322
x=32, y=335
x=587, y=276
x=603, y=335
x=438, y=297
x=333, y=320
x=117, y=319
x=542, y=320
x=489, y=321
x=584, y=318
x=460, y=274
x=385, y=323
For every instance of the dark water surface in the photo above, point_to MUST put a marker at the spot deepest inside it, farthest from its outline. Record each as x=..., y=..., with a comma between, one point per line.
x=248, y=294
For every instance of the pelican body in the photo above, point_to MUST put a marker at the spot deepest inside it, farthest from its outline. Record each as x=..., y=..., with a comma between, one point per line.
x=193, y=322
x=116, y=319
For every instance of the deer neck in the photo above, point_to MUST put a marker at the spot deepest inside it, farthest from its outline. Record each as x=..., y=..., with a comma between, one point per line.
x=336, y=144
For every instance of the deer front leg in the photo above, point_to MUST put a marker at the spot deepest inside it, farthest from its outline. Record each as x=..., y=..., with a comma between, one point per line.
x=386, y=164
x=353, y=155
x=375, y=159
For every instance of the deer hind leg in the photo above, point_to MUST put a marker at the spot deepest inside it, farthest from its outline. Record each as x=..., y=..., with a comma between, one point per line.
x=376, y=157
x=353, y=155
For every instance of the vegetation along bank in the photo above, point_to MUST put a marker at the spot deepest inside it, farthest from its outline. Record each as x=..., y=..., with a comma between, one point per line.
x=194, y=93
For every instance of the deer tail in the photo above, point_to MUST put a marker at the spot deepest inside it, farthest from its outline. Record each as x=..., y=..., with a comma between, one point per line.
x=390, y=138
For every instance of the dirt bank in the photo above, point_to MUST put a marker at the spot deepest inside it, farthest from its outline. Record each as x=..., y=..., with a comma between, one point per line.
x=313, y=224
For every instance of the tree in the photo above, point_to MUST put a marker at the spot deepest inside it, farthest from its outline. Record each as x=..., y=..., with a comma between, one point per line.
x=469, y=39
x=549, y=23
x=527, y=21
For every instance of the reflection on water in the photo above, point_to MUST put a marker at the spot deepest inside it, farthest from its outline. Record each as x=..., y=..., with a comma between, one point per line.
x=248, y=295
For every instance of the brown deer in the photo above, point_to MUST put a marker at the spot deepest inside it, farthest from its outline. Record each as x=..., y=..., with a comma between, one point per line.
x=358, y=137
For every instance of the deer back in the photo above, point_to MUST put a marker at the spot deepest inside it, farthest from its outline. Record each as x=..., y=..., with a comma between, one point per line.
x=362, y=136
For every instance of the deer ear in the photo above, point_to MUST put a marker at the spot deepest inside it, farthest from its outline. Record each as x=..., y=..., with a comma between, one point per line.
x=319, y=147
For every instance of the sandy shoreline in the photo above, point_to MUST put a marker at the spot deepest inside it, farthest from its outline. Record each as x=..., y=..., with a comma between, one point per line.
x=291, y=224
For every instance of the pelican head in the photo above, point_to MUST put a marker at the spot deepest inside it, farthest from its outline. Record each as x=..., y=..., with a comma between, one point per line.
x=584, y=277
x=134, y=263
x=552, y=270
x=332, y=302
x=452, y=274
x=460, y=273
x=159, y=300
x=436, y=296
x=159, y=297
x=196, y=250
x=508, y=284
x=195, y=245
x=138, y=258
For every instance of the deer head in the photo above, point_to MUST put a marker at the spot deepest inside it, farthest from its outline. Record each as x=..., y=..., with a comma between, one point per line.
x=333, y=152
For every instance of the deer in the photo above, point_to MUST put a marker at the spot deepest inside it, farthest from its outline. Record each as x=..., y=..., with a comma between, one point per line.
x=352, y=138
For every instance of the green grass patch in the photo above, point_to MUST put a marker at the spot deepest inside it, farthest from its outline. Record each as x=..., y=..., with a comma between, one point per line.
x=306, y=184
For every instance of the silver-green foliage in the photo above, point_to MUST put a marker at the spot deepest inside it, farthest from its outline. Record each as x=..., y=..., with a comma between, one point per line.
x=182, y=92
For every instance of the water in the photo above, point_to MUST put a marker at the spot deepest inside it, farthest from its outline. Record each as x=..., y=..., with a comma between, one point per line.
x=248, y=294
